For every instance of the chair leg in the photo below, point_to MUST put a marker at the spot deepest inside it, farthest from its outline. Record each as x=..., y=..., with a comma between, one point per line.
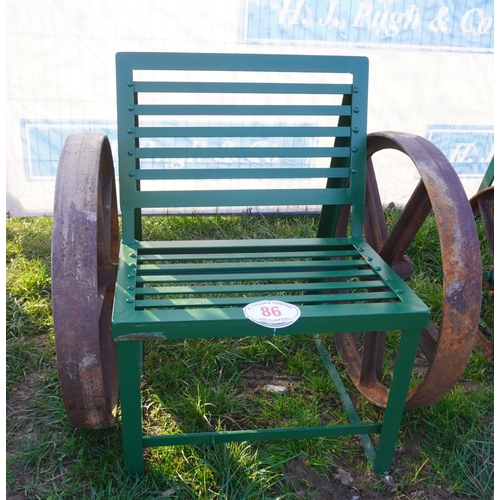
x=130, y=370
x=397, y=398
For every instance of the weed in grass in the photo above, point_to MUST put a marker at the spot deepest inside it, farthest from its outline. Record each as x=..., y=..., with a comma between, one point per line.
x=320, y=385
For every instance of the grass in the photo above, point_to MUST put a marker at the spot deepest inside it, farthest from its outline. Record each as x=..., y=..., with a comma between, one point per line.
x=205, y=384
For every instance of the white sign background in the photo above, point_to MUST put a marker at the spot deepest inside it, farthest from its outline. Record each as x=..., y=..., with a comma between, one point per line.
x=61, y=73
x=272, y=313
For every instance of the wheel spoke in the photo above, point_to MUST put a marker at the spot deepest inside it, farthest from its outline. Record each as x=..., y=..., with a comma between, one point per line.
x=375, y=225
x=429, y=340
x=407, y=226
x=373, y=357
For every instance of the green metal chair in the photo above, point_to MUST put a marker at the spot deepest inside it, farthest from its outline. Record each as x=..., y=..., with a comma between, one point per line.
x=343, y=285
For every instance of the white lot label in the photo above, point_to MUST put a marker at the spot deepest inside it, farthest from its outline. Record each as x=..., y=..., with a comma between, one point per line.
x=272, y=313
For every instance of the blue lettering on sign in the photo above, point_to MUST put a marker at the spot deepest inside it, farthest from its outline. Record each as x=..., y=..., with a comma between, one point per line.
x=445, y=24
x=222, y=142
x=44, y=140
x=468, y=148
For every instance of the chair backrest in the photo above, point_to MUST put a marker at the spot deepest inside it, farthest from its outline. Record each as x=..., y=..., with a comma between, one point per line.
x=240, y=132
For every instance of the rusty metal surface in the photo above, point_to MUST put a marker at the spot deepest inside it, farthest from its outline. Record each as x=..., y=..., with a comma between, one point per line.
x=85, y=244
x=448, y=347
x=482, y=205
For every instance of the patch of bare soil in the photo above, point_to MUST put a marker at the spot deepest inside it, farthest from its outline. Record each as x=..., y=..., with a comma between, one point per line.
x=259, y=376
x=15, y=496
x=346, y=482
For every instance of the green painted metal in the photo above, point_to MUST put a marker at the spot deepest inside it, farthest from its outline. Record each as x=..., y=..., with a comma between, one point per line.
x=243, y=88
x=488, y=176
x=261, y=245
x=312, y=275
x=254, y=265
x=133, y=92
x=248, y=288
x=197, y=289
x=396, y=402
x=344, y=396
x=244, y=110
x=148, y=257
x=245, y=288
x=230, y=322
x=261, y=435
x=215, y=131
x=330, y=213
x=243, y=173
x=243, y=197
x=241, y=153
x=243, y=301
x=130, y=369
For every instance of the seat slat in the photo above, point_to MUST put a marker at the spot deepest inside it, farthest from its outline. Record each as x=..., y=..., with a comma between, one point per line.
x=141, y=258
x=274, y=288
x=240, y=267
x=287, y=245
x=341, y=275
x=242, y=301
x=297, y=275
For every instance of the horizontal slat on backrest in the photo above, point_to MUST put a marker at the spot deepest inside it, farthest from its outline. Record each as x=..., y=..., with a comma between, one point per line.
x=231, y=110
x=214, y=131
x=239, y=87
x=247, y=122
x=243, y=197
x=255, y=152
x=243, y=173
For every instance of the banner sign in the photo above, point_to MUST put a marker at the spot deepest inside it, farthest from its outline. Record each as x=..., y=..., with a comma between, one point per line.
x=466, y=26
x=469, y=149
x=43, y=142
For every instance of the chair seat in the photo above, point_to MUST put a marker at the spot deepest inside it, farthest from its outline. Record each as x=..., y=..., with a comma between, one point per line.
x=193, y=289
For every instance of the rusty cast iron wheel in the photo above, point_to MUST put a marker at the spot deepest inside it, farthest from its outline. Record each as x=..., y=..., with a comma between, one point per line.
x=85, y=244
x=483, y=208
x=448, y=347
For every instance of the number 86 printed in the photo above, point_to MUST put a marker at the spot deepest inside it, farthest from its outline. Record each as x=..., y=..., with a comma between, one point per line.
x=274, y=311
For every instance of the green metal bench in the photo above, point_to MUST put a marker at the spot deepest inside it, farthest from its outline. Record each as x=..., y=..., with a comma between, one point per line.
x=215, y=132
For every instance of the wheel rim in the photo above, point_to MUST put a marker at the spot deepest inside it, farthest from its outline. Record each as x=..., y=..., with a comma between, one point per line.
x=85, y=245
x=440, y=190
